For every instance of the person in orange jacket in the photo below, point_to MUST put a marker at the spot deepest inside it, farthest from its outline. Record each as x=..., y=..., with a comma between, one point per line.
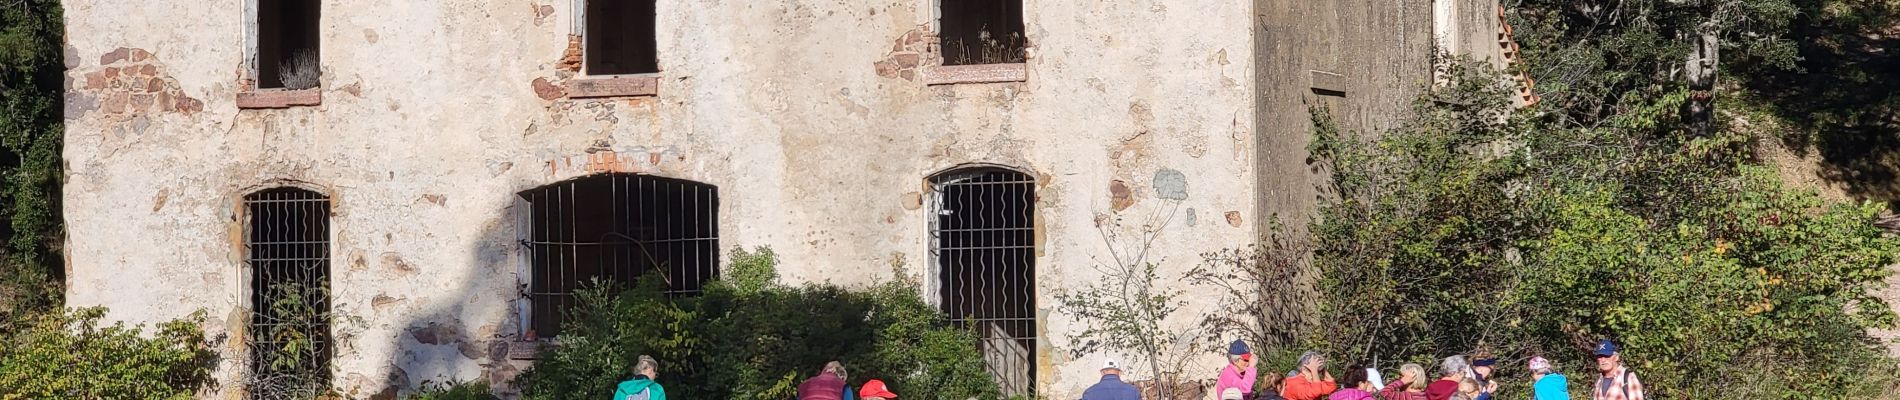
x=1311, y=381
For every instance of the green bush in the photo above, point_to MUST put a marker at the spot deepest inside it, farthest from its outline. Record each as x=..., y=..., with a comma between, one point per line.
x=475, y=390
x=1470, y=228
x=752, y=338
x=68, y=355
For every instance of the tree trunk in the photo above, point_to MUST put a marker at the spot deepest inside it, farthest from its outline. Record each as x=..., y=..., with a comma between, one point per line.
x=1700, y=70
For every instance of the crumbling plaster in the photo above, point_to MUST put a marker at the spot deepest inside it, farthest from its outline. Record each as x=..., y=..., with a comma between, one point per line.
x=430, y=123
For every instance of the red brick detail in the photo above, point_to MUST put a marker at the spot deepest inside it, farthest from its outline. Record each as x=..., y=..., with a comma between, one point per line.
x=909, y=53
x=571, y=59
x=548, y=91
x=116, y=104
x=981, y=73
x=188, y=105
x=278, y=98
x=120, y=54
x=906, y=59
x=618, y=86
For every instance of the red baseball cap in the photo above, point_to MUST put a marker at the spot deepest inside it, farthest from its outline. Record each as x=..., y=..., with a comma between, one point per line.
x=875, y=388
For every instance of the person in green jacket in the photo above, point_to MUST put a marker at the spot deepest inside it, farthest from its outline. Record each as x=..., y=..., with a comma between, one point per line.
x=642, y=386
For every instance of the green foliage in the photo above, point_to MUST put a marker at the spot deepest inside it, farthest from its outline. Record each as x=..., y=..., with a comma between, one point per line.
x=1420, y=216
x=1467, y=228
x=1595, y=60
x=1123, y=311
x=69, y=355
x=752, y=272
x=474, y=390
x=1260, y=298
x=31, y=83
x=293, y=364
x=753, y=338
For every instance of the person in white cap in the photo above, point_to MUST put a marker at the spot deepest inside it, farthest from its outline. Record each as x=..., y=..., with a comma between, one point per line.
x=1231, y=394
x=1111, y=387
x=1546, y=383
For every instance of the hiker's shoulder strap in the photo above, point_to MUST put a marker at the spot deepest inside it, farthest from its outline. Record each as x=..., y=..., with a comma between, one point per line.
x=1626, y=382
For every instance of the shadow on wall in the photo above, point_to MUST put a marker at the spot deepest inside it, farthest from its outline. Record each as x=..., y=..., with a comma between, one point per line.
x=1843, y=98
x=434, y=343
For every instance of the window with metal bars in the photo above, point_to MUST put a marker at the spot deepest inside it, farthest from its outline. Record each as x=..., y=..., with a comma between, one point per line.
x=981, y=31
x=984, y=251
x=287, y=249
x=617, y=228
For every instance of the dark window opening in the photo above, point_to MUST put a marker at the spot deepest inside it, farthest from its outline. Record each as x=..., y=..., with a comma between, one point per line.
x=620, y=37
x=981, y=31
x=617, y=227
x=287, y=32
x=287, y=248
x=983, y=242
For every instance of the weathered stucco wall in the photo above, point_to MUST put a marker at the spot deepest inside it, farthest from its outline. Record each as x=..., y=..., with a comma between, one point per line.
x=1380, y=53
x=430, y=122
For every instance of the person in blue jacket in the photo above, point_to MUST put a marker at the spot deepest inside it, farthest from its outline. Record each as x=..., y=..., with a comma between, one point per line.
x=1547, y=384
x=642, y=386
x=1111, y=387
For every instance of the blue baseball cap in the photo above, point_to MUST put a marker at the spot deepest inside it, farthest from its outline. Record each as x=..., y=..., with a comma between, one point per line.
x=1606, y=348
x=1238, y=348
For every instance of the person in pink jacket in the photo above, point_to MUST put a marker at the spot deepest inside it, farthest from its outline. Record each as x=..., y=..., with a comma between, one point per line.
x=1239, y=373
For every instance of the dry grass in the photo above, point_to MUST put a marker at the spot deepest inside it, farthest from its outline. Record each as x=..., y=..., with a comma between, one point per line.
x=301, y=71
x=990, y=50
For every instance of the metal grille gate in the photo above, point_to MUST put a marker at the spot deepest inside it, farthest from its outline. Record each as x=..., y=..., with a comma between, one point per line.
x=287, y=249
x=983, y=245
x=616, y=227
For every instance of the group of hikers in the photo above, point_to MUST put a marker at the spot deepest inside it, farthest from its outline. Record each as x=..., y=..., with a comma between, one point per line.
x=830, y=384
x=1459, y=378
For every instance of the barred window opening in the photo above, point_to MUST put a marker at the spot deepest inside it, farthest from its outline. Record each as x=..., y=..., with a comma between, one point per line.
x=616, y=227
x=983, y=245
x=287, y=250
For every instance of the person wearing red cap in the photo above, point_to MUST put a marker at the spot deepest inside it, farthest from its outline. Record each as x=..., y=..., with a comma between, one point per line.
x=1239, y=373
x=875, y=390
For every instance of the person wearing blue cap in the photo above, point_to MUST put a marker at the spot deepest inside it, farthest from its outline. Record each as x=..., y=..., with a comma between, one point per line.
x=1617, y=382
x=1481, y=371
x=1239, y=374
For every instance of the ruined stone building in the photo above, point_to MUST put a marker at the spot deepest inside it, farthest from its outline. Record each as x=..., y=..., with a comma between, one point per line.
x=445, y=173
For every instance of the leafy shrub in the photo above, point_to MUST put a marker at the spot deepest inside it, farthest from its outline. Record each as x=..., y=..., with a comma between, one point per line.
x=752, y=338
x=68, y=355
x=475, y=390
x=1468, y=229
